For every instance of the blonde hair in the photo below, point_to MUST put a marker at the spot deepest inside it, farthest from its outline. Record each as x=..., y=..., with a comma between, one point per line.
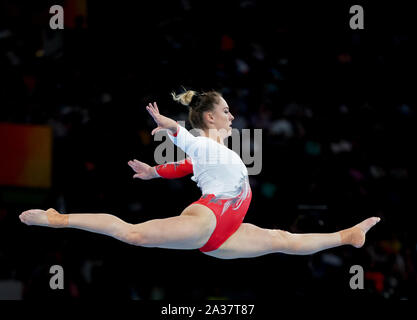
x=198, y=104
x=185, y=97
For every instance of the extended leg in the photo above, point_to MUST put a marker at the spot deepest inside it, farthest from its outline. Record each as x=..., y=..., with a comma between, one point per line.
x=251, y=241
x=190, y=230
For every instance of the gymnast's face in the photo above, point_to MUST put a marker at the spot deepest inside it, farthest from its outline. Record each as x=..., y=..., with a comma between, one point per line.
x=221, y=118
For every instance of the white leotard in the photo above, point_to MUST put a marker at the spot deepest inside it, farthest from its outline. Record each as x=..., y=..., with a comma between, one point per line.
x=217, y=169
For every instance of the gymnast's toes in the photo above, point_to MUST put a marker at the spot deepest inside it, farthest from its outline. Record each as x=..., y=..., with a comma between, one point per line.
x=34, y=217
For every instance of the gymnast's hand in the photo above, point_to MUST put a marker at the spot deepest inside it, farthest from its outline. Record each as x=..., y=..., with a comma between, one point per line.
x=161, y=121
x=143, y=171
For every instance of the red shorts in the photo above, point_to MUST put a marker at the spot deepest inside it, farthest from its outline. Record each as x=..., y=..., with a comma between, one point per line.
x=229, y=215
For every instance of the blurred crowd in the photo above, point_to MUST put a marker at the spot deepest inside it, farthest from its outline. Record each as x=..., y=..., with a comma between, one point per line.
x=337, y=119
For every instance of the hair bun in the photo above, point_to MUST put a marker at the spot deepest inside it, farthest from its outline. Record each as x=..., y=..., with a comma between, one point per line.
x=193, y=103
x=187, y=98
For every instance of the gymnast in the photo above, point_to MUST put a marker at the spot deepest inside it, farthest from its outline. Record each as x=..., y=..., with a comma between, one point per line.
x=214, y=223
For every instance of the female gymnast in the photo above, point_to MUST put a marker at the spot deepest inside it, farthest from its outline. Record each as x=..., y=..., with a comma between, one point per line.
x=213, y=224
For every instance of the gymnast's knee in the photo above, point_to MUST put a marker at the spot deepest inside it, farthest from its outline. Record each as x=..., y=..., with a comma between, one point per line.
x=281, y=240
x=133, y=236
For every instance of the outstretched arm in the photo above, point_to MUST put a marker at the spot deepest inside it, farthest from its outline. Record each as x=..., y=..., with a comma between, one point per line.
x=179, y=135
x=161, y=121
x=171, y=170
x=174, y=170
x=142, y=170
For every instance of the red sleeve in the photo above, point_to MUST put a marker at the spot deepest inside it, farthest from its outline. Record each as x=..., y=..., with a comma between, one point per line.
x=176, y=132
x=174, y=170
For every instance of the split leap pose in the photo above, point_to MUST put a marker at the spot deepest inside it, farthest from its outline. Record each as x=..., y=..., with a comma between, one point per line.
x=213, y=224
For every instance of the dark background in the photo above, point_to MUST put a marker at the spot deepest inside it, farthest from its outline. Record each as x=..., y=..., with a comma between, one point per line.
x=336, y=106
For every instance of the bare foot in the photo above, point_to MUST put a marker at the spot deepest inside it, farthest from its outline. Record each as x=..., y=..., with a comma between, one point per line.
x=48, y=218
x=355, y=236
